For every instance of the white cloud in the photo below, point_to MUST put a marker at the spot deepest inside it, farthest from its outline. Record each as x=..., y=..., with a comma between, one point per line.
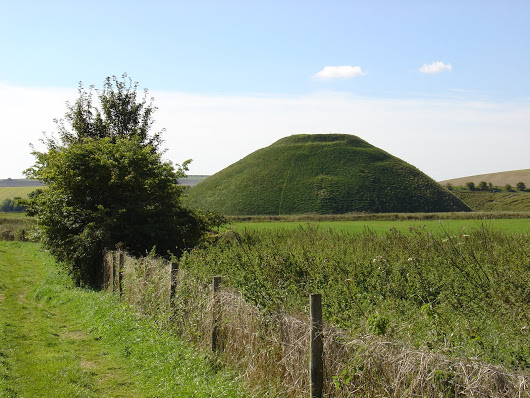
x=339, y=72
x=435, y=67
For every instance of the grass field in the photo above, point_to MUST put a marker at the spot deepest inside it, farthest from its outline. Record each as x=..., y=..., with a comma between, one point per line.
x=437, y=226
x=496, y=202
x=14, y=192
x=459, y=293
x=59, y=341
x=499, y=179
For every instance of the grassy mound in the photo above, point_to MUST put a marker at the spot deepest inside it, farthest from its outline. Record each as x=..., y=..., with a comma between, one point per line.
x=324, y=173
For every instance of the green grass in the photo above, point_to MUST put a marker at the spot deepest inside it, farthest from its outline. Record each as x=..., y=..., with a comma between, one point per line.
x=14, y=192
x=322, y=173
x=13, y=215
x=404, y=226
x=500, y=201
x=15, y=226
x=61, y=341
x=462, y=293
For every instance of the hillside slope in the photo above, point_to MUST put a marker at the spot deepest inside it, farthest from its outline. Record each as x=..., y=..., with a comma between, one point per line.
x=496, y=201
x=323, y=173
x=497, y=179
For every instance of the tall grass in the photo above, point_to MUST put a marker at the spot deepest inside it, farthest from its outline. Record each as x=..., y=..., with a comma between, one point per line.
x=408, y=315
x=17, y=227
x=464, y=294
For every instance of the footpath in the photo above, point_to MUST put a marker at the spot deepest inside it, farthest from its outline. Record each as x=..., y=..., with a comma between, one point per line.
x=60, y=341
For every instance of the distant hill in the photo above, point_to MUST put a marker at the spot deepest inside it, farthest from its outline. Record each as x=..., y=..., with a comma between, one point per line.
x=192, y=180
x=19, y=182
x=322, y=173
x=497, y=179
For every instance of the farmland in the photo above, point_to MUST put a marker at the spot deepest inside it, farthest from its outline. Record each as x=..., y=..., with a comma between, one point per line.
x=14, y=192
x=403, y=226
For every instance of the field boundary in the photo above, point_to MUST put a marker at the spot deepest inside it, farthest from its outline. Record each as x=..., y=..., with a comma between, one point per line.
x=272, y=349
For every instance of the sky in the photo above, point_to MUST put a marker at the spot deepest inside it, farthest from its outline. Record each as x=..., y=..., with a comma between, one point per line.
x=443, y=85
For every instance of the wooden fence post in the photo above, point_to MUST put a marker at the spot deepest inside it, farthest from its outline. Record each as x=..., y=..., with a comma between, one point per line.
x=111, y=271
x=215, y=310
x=121, y=262
x=316, y=366
x=173, y=283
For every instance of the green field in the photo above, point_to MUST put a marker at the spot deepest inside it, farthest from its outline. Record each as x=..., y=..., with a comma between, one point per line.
x=495, y=202
x=460, y=292
x=437, y=226
x=15, y=192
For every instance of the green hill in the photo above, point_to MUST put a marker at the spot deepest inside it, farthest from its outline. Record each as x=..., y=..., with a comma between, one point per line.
x=324, y=173
x=499, y=179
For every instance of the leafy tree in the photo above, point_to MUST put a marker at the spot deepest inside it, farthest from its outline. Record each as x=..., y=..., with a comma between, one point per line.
x=508, y=188
x=483, y=186
x=11, y=205
x=521, y=186
x=108, y=186
x=6, y=206
x=471, y=186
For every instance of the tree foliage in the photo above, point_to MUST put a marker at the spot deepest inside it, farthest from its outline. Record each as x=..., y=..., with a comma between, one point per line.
x=483, y=186
x=108, y=186
x=521, y=186
x=9, y=205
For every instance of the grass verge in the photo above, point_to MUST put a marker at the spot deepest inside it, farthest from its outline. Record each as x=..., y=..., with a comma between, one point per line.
x=61, y=341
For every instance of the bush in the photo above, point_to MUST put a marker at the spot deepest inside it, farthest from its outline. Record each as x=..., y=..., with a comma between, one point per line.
x=483, y=186
x=11, y=205
x=108, y=186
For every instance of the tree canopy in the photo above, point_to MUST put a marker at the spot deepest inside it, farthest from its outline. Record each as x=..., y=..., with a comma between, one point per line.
x=107, y=184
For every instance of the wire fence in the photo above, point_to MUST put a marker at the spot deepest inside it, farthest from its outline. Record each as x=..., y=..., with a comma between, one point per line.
x=273, y=351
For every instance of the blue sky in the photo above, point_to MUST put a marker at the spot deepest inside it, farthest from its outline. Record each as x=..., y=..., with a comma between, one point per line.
x=420, y=79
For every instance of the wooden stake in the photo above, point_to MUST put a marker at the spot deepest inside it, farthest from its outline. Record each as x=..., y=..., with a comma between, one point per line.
x=111, y=262
x=119, y=274
x=316, y=366
x=215, y=310
x=173, y=283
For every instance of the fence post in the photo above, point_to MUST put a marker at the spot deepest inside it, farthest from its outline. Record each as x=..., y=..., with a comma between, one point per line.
x=215, y=310
x=316, y=366
x=111, y=271
x=173, y=283
x=121, y=261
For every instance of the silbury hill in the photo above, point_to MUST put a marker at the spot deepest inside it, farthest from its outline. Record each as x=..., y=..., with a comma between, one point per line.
x=321, y=173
